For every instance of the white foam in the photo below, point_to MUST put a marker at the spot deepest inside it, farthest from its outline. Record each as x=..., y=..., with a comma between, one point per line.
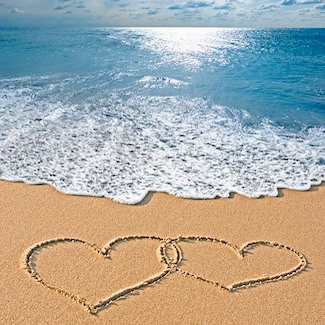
x=160, y=82
x=122, y=148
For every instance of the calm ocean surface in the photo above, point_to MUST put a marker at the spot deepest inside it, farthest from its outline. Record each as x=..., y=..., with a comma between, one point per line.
x=199, y=112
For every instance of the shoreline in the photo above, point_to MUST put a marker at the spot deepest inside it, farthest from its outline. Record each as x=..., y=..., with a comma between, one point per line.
x=150, y=193
x=293, y=221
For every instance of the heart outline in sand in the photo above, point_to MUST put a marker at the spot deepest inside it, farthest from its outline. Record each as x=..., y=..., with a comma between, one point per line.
x=172, y=265
x=30, y=266
x=240, y=252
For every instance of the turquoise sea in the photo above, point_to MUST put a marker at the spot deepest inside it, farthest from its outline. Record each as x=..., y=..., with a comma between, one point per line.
x=196, y=112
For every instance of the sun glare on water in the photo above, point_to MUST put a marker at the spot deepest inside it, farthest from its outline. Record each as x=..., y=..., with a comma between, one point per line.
x=190, y=46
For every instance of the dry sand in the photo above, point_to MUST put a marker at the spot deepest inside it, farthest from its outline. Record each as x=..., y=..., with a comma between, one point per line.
x=34, y=214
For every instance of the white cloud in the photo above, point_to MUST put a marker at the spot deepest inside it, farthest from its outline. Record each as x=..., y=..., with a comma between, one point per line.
x=257, y=13
x=320, y=7
x=16, y=11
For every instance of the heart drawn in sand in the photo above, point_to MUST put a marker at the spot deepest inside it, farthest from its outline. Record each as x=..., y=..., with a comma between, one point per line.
x=240, y=252
x=30, y=266
x=172, y=264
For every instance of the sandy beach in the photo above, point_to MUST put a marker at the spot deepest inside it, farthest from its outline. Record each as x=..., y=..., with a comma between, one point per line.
x=186, y=273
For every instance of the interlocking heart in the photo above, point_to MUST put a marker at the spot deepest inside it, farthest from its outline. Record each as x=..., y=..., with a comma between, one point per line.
x=172, y=264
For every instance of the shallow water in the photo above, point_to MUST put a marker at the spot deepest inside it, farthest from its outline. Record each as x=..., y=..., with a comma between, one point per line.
x=198, y=112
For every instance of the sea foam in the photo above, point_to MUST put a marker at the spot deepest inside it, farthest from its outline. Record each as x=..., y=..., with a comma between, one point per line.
x=122, y=147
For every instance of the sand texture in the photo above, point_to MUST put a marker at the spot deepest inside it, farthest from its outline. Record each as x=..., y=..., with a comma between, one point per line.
x=81, y=260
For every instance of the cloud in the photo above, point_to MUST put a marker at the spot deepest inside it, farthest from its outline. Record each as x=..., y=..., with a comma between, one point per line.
x=288, y=2
x=175, y=7
x=320, y=7
x=61, y=7
x=191, y=5
x=153, y=12
x=16, y=11
x=308, y=2
x=225, y=6
x=302, y=12
x=268, y=7
x=198, y=4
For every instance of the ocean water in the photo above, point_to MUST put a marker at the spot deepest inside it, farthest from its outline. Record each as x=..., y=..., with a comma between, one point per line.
x=198, y=113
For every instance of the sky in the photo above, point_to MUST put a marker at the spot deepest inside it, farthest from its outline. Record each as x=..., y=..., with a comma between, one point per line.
x=194, y=13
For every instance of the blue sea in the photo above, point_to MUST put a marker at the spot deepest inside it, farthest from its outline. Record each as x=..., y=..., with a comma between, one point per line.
x=195, y=112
